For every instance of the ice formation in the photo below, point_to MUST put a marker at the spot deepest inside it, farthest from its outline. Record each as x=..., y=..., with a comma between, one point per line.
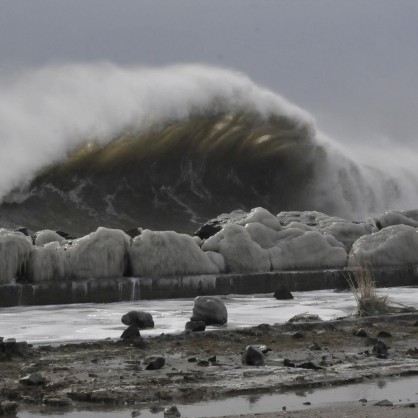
x=251, y=243
x=14, y=254
x=167, y=253
x=396, y=245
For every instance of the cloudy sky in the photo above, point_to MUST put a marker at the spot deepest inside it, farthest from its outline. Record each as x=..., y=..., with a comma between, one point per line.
x=353, y=64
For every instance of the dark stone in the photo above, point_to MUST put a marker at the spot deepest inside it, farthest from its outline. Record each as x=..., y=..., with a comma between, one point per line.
x=363, y=400
x=134, y=232
x=361, y=332
x=298, y=335
x=384, y=334
x=209, y=309
x=202, y=363
x=213, y=226
x=65, y=235
x=282, y=293
x=57, y=402
x=155, y=363
x=212, y=359
x=304, y=318
x=135, y=414
x=8, y=408
x=384, y=402
x=34, y=379
x=23, y=230
x=315, y=347
x=172, y=412
x=139, y=318
x=195, y=326
x=380, y=349
x=12, y=348
x=309, y=365
x=192, y=359
x=307, y=403
x=130, y=333
x=252, y=356
x=264, y=349
x=288, y=363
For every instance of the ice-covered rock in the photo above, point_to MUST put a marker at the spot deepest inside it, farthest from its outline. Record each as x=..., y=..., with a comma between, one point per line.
x=261, y=216
x=139, y=318
x=47, y=263
x=389, y=218
x=395, y=245
x=209, y=309
x=306, y=250
x=46, y=236
x=344, y=231
x=101, y=254
x=167, y=253
x=213, y=226
x=241, y=253
x=15, y=249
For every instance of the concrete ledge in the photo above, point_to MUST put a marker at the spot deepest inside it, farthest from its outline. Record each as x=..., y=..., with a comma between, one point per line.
x=125, y=289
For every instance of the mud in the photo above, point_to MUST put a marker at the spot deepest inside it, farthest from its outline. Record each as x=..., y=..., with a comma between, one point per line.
x=207, y=365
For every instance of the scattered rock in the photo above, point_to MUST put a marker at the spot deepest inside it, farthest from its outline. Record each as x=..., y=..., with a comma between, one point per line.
x=384, y=334
x=212, y=359
x=209, y=309
x=130, y=333
x=155, y=363
x=307, y=403
x=195, y=326
x=315, y=347
x=361, y=332
x=384, y=402
x=135, y=414
x=298, y=334
x=192, y=359
x=304, y=317
x=57, y=402
x=172, y=412
x=202, y=363
x=380, y=349
x=252, y=356
x=10, y=348
x=288, y=363
x=8, y=408
x=282, y=293
x=139, y=318
x=363, y=400
x=34, y=379
x=309, y=365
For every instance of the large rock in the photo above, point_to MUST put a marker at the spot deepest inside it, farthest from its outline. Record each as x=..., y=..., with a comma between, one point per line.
x=15, y=249
x=209, y=309
x=46, y=236
x=252, y=356
x=402, y=217
x=395, y=245
x=167, y=253
x=139, y=318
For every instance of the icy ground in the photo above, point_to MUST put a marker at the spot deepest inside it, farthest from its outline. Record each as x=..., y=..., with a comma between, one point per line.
x=56, y=323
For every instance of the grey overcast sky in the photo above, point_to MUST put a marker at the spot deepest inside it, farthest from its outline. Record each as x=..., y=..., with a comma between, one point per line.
x=353, y=64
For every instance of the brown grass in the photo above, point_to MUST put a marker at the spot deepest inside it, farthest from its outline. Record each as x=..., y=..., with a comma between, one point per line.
x=369, y=301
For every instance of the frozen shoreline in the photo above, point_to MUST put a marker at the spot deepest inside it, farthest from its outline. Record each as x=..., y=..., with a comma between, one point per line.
x=77, y=322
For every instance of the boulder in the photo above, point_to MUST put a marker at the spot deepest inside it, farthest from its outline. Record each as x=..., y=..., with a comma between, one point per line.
x=139, y=318
x=195, y=326
x=282, y=293
x=155, y=363
x=130, y=333
x=252, y=356
x=209, y=309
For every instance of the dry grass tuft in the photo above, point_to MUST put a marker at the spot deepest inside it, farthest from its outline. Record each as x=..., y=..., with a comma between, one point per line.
x=369, y=301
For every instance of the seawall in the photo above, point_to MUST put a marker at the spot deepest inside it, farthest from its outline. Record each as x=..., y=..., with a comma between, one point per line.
x=128, y=289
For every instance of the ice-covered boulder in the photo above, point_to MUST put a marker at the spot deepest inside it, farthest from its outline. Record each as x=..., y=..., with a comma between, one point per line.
x=307, y=250
x=46, y=236
x=405, y=217
x=241, y=253
x=344, y=231
x=395, y=245
x=47, y=263
x=261, y=216
x=101, y=254
x=209, y=309
x=213, y=226
x=167, y=253
x=15, y=249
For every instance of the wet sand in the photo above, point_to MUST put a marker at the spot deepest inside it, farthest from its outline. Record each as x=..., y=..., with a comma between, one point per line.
x=207, y=366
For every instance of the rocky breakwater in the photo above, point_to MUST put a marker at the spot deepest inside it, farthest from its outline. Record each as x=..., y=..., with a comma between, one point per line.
x=241, y=243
